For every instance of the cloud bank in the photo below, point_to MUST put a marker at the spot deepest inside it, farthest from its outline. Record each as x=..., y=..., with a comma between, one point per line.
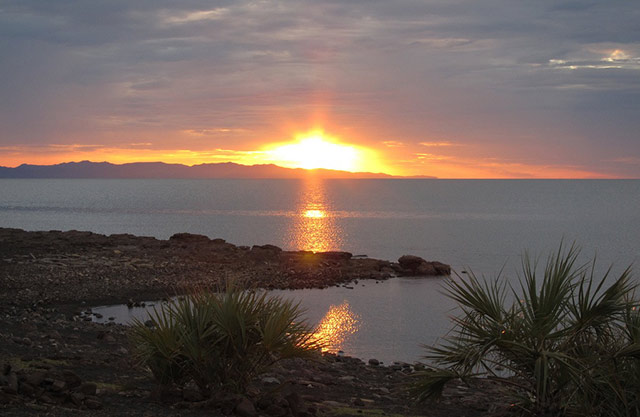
x=513, y=88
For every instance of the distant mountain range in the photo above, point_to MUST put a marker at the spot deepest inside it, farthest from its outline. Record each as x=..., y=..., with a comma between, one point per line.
x=87, y=169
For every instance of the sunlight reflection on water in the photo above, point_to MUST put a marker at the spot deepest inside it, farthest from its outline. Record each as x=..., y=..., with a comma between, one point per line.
x=336, y=326
x=314, y=227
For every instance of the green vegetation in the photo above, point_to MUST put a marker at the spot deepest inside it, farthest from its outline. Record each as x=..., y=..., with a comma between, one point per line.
x=569, y=344
x=220, y=341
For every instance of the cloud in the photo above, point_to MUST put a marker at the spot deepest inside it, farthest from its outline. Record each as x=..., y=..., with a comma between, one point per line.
x=393, y=144
x=438, y=144
x=506, y=79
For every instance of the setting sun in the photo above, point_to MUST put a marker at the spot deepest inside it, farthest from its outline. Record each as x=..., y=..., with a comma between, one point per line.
x=316, y=151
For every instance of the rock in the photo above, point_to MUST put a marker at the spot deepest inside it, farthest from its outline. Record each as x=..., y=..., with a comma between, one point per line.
x=416, y=266
x=165, y=394
x=330, y=403
x=27, y=389
x=77, y=398
x=442, y=269
x=334, y=255
x=245, y=408
x=264, y=402
x=88, y=388
x=6, y=398
x=296, y=404
x=192, y=395
x=425, y=268
x=358, y=402
x=275, y=411
x=269, y=380
x=411, y=262
x=271, y=248
x=12, y=383
x=92, y=403
x=189, y=238
x=45, y=398
x=374, y=362
x=58, y=386
x=71, y=379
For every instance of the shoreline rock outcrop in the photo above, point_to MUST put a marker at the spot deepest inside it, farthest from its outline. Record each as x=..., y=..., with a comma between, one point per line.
x=56, y=267
x=411, y=265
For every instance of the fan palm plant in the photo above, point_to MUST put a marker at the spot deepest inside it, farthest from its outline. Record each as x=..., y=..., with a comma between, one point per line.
x=569, y=344
x=221, y=340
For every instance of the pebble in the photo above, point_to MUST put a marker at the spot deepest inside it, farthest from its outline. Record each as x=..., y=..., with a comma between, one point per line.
x=269, y=380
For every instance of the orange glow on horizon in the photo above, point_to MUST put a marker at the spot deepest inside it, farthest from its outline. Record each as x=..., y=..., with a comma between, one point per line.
x=315, y=149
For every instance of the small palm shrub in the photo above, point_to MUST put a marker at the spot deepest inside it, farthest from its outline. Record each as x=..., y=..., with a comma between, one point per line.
x=567, y=344
x=220, y=341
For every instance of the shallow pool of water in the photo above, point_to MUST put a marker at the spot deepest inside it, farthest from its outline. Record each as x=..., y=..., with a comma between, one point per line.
x=387, y=320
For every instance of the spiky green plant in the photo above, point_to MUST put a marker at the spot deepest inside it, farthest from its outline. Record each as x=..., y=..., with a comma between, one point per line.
x=221, y=340
x=570, y=345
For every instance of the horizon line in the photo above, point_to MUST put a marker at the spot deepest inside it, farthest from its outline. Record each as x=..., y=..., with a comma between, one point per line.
x=312, y=170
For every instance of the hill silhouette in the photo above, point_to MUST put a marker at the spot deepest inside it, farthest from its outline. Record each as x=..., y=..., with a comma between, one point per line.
x=88, y=169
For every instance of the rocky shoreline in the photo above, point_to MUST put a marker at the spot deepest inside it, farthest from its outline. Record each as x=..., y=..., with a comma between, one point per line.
x=66, y=268
x=52, y=363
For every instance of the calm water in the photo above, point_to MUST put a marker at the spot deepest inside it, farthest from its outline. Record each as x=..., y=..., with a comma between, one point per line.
x=388, y=321
x=477, y=224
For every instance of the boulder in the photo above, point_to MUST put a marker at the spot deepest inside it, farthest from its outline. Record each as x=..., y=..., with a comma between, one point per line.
x=411, y=262
x=189, y=238
x=411, y=265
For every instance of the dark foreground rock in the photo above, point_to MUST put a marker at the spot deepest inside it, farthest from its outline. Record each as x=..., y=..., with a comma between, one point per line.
x=70, y=368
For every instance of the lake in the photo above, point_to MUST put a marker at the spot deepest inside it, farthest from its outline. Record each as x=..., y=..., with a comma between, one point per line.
x=483, y=225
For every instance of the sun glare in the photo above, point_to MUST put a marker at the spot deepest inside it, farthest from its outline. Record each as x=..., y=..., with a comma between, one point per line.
x=316, y=151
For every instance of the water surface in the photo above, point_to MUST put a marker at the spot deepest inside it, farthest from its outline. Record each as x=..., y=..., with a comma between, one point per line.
x=476, y=223
x=388, y=320
x=484, y=225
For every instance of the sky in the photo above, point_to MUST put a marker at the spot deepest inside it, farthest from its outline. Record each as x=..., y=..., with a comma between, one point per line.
x=448, y=88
